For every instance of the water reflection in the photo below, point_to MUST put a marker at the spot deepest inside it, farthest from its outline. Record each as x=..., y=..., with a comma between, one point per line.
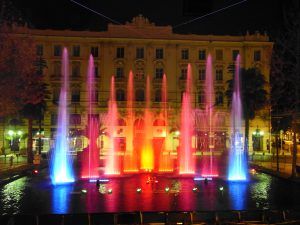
x=12, y=195
x=61, y=198
x=238, y=194
x=260, y=190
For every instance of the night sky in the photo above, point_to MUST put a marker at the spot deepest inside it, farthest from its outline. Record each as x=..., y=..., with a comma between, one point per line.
x=252, y=15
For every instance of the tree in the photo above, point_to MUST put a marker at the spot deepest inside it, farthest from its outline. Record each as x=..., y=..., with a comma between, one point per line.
x=285, y=72
x=253, y=94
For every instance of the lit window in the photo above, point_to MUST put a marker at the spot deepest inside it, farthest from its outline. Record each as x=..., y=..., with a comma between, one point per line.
x=159, y=53
x=184, y=54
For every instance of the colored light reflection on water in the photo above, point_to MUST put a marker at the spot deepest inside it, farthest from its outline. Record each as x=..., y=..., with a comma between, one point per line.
x=238, y=194
x=61, y=198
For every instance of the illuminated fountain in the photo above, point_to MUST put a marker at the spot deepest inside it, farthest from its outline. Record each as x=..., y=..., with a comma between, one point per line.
x=186, y=153
x=238, y=165
x=90, y=162
x=130, y=157
x=165, y=160
x=147, y=157
x=209, y=167
x=61, y=170
x=112, y=164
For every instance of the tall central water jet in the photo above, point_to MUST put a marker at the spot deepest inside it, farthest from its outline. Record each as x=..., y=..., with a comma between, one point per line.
x=238, y=165
x=147, y=158
x=130, y=158
x=61, y=170
x=112, y=166
x=186, y=153
x=209, y=166
x=90, y=162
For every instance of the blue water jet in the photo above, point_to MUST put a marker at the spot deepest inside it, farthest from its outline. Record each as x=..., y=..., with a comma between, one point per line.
x=61, y=170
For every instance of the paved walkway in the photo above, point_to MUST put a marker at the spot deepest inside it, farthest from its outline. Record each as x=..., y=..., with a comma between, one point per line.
x=11, y=161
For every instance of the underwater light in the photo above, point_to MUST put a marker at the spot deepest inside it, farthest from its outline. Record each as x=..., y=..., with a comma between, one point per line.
x=221, y=188
x=109, y=191
x=195, y=189
x=139, y=190
x=84, y=191
x=167, y=189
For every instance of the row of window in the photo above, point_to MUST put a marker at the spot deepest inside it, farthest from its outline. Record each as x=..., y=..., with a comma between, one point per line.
x=140, y=53
x=119, y=72
x=139, y=96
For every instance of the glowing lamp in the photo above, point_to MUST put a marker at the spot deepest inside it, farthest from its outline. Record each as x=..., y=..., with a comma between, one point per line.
x=221, y=188
x=177, y=132
x=109, y=191
x=139, y=190
x=195, y=189
x=11, y=132
x=261, y=133
x=35, y=171
x=19, y=132
x=84, y=191
x=167, y=189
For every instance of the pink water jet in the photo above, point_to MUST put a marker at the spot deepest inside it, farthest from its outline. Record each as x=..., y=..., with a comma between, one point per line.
x=209, y=166
x=186, y=152
x=90, y=157
x=130, y=157
x=112, y=164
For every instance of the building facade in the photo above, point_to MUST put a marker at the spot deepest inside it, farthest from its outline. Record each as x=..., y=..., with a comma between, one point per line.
x=147, y=50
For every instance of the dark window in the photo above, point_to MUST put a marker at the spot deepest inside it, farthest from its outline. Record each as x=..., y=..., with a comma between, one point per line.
x=75, y=98
x=94, y=51
x=95, y=97
x=139, y=53
x=96, y=70
x=39, y=50
x=219, y=74
x=140, y=75
x=120, y=95
x=183, y=73
x=76, y=69
x=120, y=52
x=219, y=54
x=53, y=119
x=235, y=54
x=219, y=98
x=201, y=74
x=119, y=72
x=76, y=50
x=57, y=50
x=75, y=119
x=159, y=53
x=257, y=56
x=158, y=96
x=140, y=95
x=184, y=54
x=202, y=54
x=94, y=117
x=159, y=73
x=201, y=98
